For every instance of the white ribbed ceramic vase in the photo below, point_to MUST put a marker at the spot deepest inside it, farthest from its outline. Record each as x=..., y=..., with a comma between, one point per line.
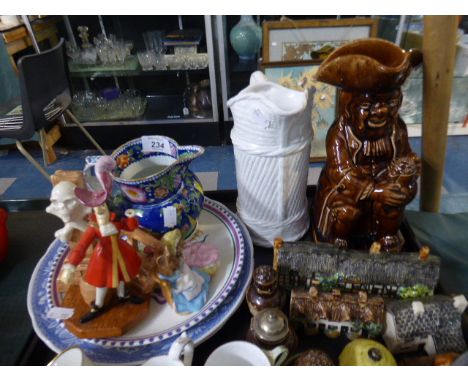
x=272, y=137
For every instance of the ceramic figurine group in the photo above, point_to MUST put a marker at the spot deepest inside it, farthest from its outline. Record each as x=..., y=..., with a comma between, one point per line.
x=110, y=253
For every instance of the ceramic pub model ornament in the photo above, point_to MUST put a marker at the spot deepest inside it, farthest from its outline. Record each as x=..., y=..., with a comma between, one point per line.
x=263, y=291
x=112, y=265
x=363, y=352
x=334, y=313
x=370, y=172
x=433, y=322
x=403, y=275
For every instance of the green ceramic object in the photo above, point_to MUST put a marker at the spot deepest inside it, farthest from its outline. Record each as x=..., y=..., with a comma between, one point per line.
x=362, y=352
x=246, y=38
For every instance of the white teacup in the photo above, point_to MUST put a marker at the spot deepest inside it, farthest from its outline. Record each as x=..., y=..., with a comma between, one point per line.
x=243, y=353
x=73, y=356
x=180, y=354
x=163, y=360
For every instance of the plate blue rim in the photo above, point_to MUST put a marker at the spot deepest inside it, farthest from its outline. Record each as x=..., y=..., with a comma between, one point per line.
x=230, y=223
x=57, y=338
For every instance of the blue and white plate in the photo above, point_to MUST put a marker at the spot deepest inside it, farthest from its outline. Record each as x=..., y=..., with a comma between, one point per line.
x=154, y=335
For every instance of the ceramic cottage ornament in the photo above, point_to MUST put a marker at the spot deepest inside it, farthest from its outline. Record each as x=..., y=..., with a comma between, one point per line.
x=370, y=172
x=433, y=322
x=272, y=138
x=65, y=205
x=113, y=262
x=405, y=274
x=335, y=313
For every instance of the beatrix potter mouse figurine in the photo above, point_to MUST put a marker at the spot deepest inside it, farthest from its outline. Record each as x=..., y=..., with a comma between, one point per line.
x=189, y=287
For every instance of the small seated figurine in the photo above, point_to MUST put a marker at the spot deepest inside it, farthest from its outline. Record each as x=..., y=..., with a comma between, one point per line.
x=113, y=262
x=189, y=288
x=65, y=205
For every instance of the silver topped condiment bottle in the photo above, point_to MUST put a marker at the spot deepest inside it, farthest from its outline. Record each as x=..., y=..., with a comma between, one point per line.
x=270, y=328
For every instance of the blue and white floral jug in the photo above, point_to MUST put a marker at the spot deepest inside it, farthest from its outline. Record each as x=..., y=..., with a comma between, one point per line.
x=152, y=178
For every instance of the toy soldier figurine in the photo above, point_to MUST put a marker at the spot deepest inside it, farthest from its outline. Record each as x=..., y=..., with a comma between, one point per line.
x=113, y=262
x=370, y=172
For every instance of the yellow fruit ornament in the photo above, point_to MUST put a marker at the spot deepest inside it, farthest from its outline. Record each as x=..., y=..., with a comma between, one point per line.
x=362, y=352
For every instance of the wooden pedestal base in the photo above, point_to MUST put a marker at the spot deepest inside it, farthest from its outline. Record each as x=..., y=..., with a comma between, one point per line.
x=114, y=322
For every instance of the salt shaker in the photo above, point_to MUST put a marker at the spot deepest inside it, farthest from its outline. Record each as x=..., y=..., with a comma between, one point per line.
x=270, y=328
x=263, y=292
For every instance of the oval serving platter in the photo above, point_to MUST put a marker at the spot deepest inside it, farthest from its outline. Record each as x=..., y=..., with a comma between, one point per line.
x=155, y=334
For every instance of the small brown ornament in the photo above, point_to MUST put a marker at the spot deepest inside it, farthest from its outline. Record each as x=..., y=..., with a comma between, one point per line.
x=263, y=292
x=313, y=357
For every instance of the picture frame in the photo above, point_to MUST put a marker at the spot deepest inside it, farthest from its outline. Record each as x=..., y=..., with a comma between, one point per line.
x=299, y=40
x=299, y=75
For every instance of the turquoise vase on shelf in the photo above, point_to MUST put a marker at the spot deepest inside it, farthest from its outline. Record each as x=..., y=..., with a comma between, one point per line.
x=246, y=38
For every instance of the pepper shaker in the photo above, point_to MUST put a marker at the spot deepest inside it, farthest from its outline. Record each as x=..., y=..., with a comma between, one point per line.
x=270, y=328
x=263, y=292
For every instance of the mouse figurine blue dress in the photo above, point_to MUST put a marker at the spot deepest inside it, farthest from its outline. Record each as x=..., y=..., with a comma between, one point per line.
x=189, y=287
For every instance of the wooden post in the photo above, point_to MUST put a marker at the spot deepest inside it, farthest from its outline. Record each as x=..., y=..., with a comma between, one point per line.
x=439, y=47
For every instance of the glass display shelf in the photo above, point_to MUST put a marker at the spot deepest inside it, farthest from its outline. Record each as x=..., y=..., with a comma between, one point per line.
x=160, y=109
x=131, y=67
x=104, y=39
x=97, y=71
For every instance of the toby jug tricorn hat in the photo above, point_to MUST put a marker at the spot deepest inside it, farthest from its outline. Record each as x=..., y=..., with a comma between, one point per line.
x=368, y=65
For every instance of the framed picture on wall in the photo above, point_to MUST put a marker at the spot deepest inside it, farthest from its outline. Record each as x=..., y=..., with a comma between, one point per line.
x=300, y=76
x=299, y=40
